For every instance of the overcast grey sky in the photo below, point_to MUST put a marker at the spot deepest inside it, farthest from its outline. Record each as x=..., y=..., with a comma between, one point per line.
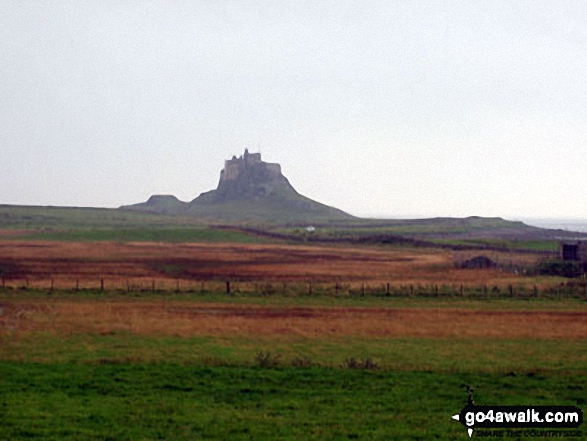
x=397, y=108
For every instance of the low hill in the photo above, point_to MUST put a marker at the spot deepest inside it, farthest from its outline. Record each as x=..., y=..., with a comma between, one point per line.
x=161, y=204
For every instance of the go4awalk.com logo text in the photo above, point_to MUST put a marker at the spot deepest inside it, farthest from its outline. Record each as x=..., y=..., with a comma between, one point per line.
x=518, y=421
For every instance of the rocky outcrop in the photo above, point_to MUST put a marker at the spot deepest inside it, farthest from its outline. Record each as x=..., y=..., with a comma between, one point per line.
x=249, y=190
x=248, y=177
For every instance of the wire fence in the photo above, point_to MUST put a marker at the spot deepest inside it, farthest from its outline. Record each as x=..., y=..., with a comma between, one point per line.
x=569, y=289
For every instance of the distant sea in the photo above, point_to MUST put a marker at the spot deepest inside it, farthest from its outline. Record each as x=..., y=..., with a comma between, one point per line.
x=571, y=225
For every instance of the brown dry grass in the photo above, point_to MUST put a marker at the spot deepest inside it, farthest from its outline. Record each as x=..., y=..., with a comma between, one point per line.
x=64, y=262
x=198, y=319
x=6, y=232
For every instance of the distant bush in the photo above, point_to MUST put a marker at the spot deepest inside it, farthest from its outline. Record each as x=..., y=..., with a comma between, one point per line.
x=266, y=359
x=303, y=362
x=353, y=363
x=479, y=262
x=558, y=267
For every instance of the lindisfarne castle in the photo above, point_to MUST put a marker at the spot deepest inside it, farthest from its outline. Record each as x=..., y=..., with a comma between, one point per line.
x=235, y=167
x=248, y=176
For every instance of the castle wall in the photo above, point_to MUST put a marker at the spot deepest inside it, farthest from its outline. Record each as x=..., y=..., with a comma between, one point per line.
x=231, y=171
x=253, y=158
x=234, y=167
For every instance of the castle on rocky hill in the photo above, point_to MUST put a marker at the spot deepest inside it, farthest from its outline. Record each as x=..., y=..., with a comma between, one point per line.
x=236, y=167
x=249, y=189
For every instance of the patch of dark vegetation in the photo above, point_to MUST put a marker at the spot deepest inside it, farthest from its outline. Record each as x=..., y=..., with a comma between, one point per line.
x=304, y=362
x=115, y=361
x=204, y=269
x=478, y=262
x=10, y=269
x=354, y=363
x=195, y=269
x=558, y=267
x=266, y=359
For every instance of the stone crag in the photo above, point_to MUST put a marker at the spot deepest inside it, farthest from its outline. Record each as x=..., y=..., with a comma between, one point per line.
x=249, y=177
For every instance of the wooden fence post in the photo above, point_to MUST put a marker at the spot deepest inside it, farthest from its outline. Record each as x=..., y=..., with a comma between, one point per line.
x=102, y=284
x=388, y=289
x=310, y=288
x=227, y=287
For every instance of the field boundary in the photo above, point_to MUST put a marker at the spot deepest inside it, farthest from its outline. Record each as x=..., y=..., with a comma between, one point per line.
x=570, y=289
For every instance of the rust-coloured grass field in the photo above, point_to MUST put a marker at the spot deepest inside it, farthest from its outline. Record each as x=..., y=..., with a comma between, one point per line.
x=291, y=316
x=189, y=319
x=88, y=262
x=476, y=336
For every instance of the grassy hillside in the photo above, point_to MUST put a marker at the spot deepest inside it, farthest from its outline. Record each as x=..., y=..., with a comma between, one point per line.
x=456, y=233
x=269, y=210
x=103, y=224
x=39, y=217
x=279, y=223
x=282, y=206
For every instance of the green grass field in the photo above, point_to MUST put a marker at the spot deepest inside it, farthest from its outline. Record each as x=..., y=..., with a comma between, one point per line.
x=174, y=401
x=64, y=218
x=156, y=234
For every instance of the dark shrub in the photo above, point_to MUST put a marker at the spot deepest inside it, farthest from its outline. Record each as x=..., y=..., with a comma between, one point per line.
x=558, y=267
x=479, y=262
x=265, y=359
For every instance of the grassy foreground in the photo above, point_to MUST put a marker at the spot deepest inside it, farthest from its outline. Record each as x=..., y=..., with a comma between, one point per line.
x=171, y=401
x=99, y=379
